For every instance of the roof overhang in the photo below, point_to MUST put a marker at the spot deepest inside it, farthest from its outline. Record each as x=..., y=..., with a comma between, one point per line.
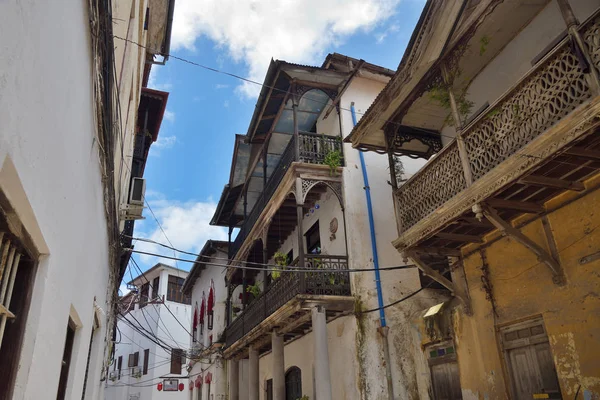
x=210, y=247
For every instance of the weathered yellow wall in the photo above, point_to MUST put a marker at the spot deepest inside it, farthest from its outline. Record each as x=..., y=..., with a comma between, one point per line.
x=522, y=287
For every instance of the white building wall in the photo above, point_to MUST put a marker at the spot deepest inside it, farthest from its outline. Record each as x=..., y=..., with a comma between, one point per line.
x=214, y=364
x=156, y=318
x=299, y=353
x=395, y=284
x=49, y=160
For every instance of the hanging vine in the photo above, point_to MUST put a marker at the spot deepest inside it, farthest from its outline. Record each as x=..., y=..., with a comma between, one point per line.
x=486, y=283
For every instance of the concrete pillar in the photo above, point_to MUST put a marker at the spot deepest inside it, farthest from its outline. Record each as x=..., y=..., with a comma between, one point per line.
x=234, y=380
x=253, y=386
x=278, y=367
x=321, y=354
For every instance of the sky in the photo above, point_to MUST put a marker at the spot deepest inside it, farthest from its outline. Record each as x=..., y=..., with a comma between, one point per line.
x=190, y=162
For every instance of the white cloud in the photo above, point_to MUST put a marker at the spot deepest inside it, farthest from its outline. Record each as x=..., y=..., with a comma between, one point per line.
x=153, y=82
x=186, y=224
x=226, y=104
x=169, y=116
x=253, y=32
x=381, y=36
x=165, y=142
x=162, y=143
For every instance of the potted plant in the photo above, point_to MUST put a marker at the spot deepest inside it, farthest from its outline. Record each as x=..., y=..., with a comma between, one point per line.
x=281, y=261
x=254, y=289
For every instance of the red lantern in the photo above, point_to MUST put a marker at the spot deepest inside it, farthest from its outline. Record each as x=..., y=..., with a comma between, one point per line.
x=191, y=385
x=181, y=387
x=159, y=387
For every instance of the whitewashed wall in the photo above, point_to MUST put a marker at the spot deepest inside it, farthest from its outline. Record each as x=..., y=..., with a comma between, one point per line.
x=157, y=319
x=216, y=366
x=395, y=284
x=51, y=175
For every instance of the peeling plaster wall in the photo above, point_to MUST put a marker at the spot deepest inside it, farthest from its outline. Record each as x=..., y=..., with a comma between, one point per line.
x=523, y=288
x=395, y=284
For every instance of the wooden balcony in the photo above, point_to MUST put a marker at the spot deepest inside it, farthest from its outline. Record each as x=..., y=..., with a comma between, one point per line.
x=285, y=304
x=312, y=149
x=533, y=143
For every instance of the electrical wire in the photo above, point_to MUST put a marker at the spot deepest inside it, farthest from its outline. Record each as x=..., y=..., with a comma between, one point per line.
x=166, y=306
x=154, y=290
x=280, y=269
x=397, y=301
x=259, y=265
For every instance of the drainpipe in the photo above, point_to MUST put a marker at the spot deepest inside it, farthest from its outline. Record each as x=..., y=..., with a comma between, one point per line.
x=383, y=329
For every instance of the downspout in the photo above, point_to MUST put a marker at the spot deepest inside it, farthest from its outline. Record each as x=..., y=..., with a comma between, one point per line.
x=383, y=329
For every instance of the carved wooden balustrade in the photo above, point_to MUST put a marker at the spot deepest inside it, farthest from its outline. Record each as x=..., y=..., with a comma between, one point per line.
x=547, y=94
x=289, y=285
x=313, y=149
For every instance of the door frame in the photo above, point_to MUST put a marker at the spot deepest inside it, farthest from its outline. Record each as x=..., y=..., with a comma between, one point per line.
x=505, y=347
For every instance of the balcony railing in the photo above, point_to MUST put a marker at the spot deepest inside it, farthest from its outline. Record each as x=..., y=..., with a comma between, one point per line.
x=547, y=94
x=313, y=149
x=288, y=286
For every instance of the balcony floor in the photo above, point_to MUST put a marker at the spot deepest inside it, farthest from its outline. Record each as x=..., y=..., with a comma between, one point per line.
x=292, y=320
x=564, y=171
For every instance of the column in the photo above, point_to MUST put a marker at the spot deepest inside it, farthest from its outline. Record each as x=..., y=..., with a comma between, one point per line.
x=278, y=367
x=321, y=354
x=234, y=380
x=300, y=230
x=253, y=387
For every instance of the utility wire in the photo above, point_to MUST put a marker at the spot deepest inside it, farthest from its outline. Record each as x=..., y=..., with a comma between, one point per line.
x=154, y=290
x=166, y=306
x=259, y=266
x=280, y=269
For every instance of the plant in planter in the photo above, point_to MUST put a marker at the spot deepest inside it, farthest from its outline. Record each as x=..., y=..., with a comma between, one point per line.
x=281, y=261
x=305, y=397
x=137, y=375
x=254, y=289
x=333, y=156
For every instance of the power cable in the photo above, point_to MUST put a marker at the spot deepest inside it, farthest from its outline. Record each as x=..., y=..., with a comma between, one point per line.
x=259, y=266
x=154, y=290
x=280, y=269
x=166, y=306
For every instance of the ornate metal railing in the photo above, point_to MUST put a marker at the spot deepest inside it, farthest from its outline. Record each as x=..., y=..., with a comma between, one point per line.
x=543, y=97
x=313, y=149
x=289, y=285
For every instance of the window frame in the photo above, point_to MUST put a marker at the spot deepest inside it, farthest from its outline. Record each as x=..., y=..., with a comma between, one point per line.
x=313, y=246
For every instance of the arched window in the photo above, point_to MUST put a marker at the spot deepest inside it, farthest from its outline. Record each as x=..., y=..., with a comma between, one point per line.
x=293, y=384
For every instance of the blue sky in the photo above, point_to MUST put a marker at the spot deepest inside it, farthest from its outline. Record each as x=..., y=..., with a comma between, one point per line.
x=189, y=165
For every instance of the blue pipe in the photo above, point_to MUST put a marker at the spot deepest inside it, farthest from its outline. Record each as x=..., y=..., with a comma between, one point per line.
x=371, y=228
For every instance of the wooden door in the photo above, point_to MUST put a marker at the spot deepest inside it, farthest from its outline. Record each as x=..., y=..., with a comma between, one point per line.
x=446, y=381
x=530, y=362
x=445, y=377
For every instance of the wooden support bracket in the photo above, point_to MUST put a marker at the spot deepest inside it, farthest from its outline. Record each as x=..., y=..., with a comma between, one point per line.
x=554, y=183
x=518, y=236
x=436, y=276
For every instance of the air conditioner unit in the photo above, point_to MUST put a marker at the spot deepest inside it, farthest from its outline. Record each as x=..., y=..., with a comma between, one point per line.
x=138, y=189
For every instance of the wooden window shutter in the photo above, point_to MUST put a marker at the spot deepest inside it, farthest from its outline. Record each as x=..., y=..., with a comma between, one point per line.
x=136, y=358
x=177, y=360
x=130, y=361
x=146, y=357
